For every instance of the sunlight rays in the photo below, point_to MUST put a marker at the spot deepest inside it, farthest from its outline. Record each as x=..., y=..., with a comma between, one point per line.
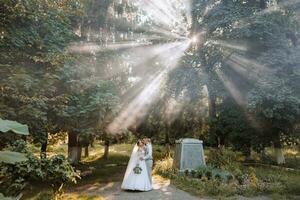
x=146, y=53
x=150, y=64
x=165, y=32
x=289, y=2
x=231, y=45
x=137, y=108
x=238, y=97
x=248, y=72
x=161, y=55
x=232, y=88
x=93, y=48
x=173, y=109
x=172, y=15
x=250, y=65
x=137, y=58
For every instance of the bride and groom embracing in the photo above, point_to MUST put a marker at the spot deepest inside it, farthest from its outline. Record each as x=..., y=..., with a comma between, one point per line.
x=139, y=169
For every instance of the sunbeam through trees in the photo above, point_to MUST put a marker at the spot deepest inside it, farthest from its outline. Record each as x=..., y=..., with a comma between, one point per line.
x=97, y=75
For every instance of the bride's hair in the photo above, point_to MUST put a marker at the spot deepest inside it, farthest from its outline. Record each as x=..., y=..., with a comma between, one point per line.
x=139, y=142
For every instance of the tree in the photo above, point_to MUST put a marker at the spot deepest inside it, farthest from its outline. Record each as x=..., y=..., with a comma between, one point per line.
x=246, y=56
x=85, y=109
x=34, y=37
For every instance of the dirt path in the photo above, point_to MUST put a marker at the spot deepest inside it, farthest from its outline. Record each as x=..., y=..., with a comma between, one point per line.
x=162, y=190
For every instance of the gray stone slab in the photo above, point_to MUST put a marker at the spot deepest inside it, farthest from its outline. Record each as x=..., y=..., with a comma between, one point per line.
x=189, y=154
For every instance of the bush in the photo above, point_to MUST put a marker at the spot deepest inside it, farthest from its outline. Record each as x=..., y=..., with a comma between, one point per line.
x=164, y=167
x=224, y=159
x=231, y=178
x=159, y=153
x=54, y=171
x=211, y=173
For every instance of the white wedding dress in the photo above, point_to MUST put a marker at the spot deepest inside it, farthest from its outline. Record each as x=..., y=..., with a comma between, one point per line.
x=134, y=181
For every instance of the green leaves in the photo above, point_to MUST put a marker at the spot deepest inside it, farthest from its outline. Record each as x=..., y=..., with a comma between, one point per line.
x=11, y=157
x=44, y=26
x=2, y=197
x=258, y=58
x=7, y=125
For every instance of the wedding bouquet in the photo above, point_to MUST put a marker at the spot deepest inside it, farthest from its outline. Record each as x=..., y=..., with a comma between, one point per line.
x=137, y=169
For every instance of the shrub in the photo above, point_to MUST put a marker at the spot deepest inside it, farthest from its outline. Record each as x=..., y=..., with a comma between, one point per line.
x=186, y=172
x=208, y=174
x=199, y=174
x=55, y=170
x=232, y=178
x=253, y=178
x=193, y=173
x=159, y=153
x=223, y=159
x=164, y=167
x=58, y=170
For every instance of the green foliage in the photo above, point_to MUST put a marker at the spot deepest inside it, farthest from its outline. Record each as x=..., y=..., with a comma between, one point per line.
x=164, y=167
x=2, y=197
x=7, y=125
x=160, y=152
x=15, y=127
x=55, y=171
x=247, y=61
x=210, y=173
x=11, y=157
x=236, y=179
x=34, y=37
x=223, y=159
x=37, y=30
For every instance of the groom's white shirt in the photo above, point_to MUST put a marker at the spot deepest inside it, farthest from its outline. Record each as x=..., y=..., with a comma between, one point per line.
x=149, y=150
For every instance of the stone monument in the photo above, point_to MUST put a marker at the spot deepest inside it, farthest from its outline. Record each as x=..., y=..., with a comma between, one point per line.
x=189, y=154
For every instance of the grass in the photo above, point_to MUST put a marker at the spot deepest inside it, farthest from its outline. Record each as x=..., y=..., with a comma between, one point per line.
x=288, y=181
x=95, y=170
x=278, y=182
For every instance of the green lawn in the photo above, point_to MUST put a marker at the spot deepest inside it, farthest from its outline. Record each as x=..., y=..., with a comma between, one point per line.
x=254, y=179
x=276, y=182
x=95, y=170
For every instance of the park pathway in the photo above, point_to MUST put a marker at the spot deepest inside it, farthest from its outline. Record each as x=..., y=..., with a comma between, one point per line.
x=162, y=190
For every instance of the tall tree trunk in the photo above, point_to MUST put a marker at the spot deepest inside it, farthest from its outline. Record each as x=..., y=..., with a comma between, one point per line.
x=86, y=151
x=279, y=156
x=167, y=141
x=106, y=149
x=74, y=149
x=92, y=142
x=44, y=147
x=221, y=139
x=212, y=115
x=278, y=150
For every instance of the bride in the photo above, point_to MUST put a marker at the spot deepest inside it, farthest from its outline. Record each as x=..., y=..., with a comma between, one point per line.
x=136, y=175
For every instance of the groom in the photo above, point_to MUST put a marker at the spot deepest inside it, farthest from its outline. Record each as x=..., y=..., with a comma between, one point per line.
x=148, y=157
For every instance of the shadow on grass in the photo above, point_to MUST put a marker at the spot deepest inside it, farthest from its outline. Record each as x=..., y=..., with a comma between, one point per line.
x=103, y=170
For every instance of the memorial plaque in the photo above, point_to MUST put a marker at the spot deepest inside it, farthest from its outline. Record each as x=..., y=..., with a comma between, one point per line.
x=189, y=154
